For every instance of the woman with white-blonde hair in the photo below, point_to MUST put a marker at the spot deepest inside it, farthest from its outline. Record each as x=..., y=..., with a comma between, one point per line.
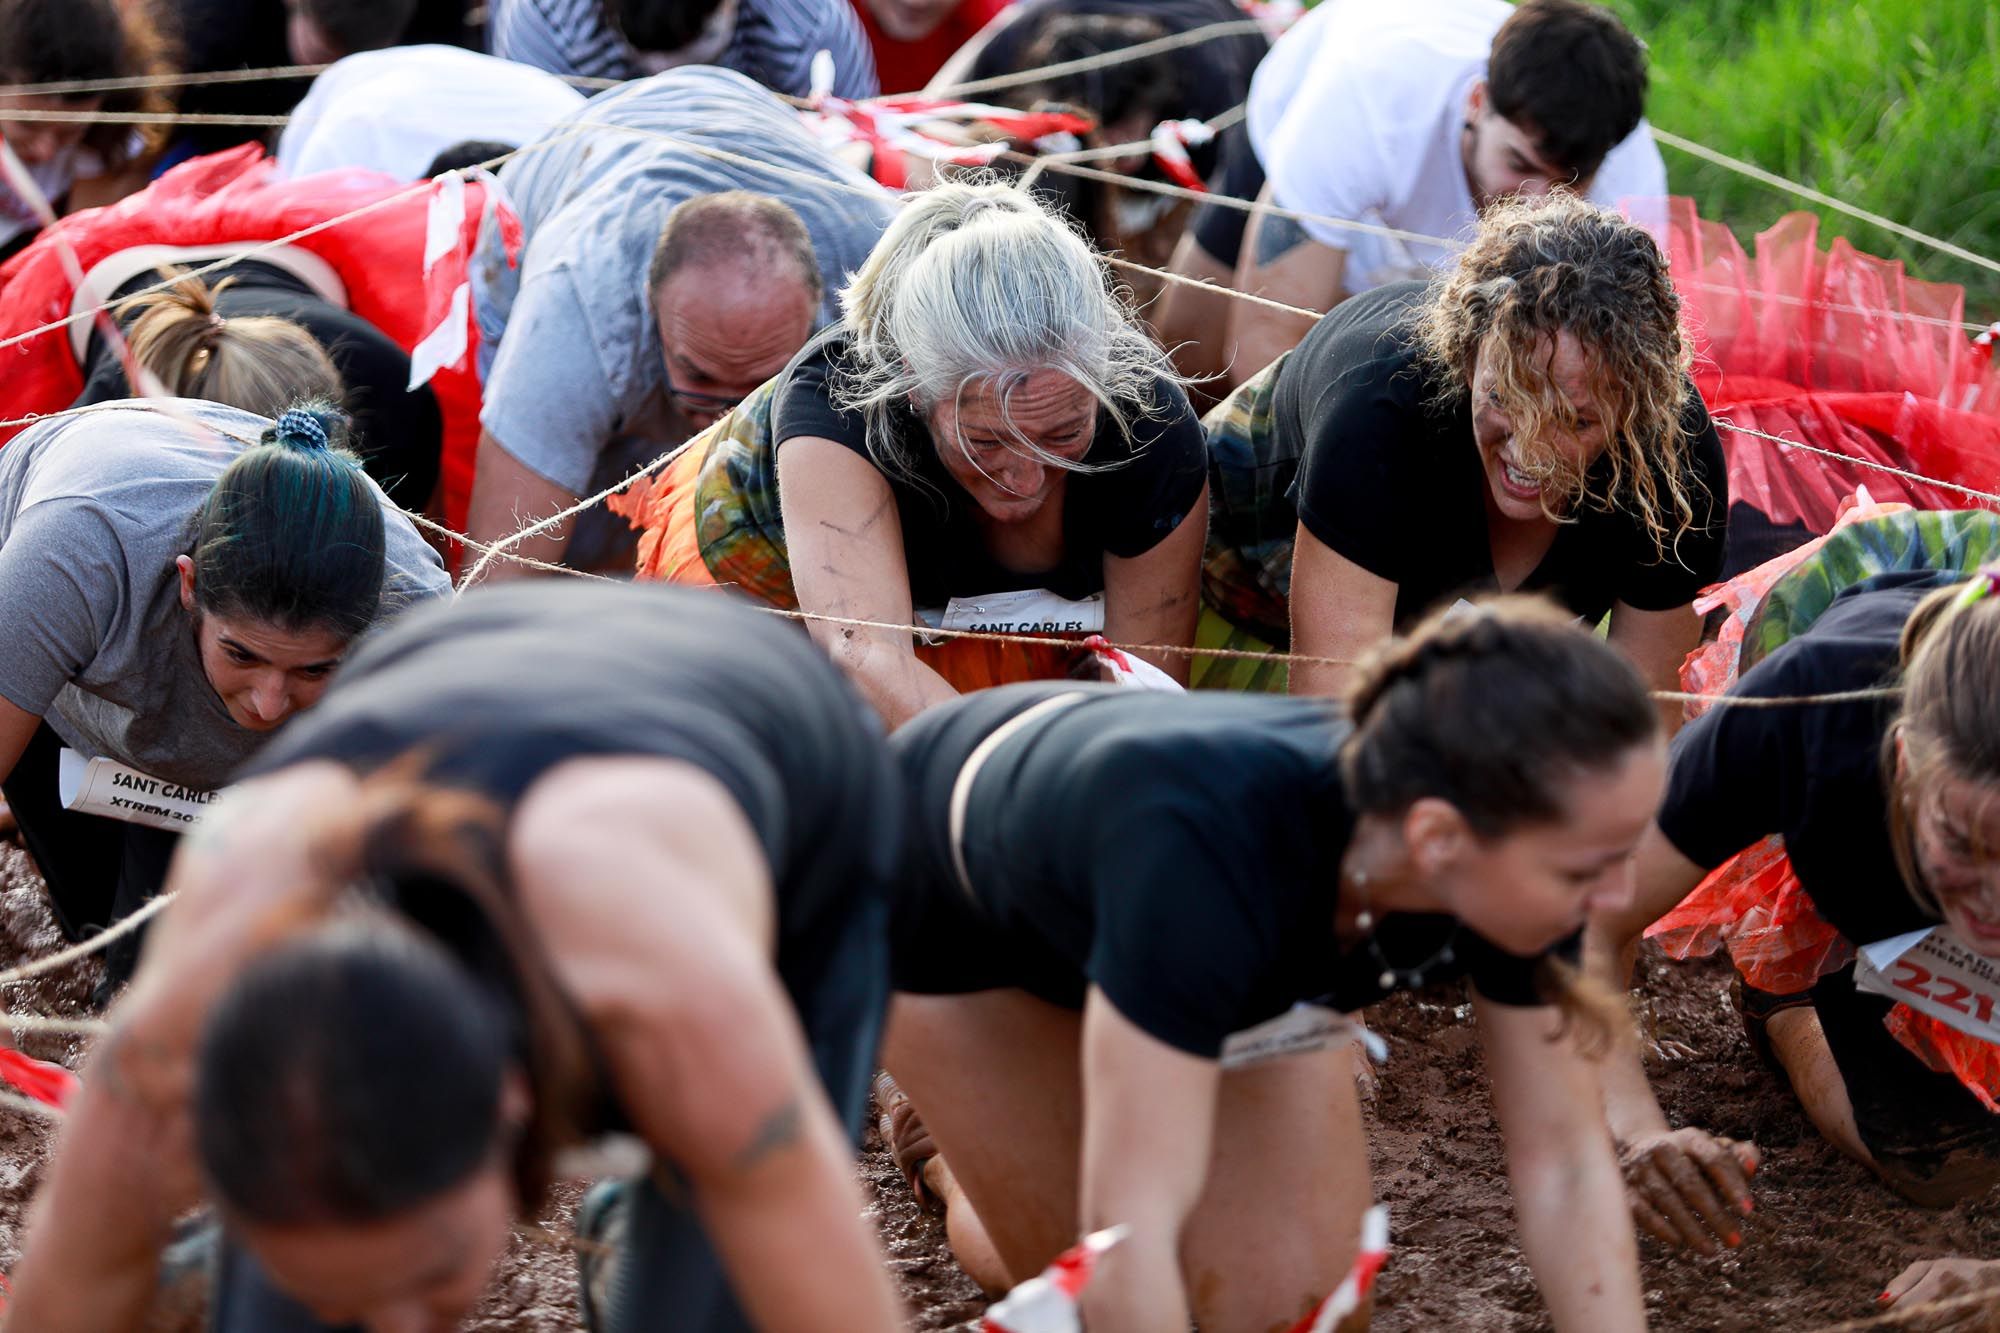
x=986, y=440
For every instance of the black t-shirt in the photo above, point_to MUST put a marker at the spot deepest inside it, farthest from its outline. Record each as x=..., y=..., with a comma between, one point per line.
x=397, y=431
x=1393, y=483
x=1151, y=482
x=1811, y=772
x=508, y=682
x=1182, y=852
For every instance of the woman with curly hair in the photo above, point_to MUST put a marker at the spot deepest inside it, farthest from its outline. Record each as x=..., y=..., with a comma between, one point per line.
x=1522, y=422
x=74, y=163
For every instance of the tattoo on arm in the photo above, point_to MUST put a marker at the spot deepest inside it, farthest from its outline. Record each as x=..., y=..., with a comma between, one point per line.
x=780, y=1129
x=1278, y=237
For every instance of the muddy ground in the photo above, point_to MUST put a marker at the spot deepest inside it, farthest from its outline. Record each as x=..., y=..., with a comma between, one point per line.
x=1824, y=1241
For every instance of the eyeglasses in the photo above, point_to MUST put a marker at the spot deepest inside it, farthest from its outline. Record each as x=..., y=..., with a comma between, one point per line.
x=701, y=402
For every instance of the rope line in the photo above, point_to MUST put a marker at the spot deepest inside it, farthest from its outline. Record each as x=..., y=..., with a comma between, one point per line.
x=14, y=1101
x=1102, y=60
x=102, y=940
x=500, y=548
x=1987, y=497
x=1777, y=182
x=90, y=1027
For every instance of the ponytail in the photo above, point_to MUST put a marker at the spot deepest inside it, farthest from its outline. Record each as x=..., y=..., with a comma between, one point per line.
x=260, y=363
x=292, y=533
x=1498, y=711
x=1493, y=710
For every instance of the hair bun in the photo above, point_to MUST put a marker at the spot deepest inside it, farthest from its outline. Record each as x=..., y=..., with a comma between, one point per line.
x=302, y=428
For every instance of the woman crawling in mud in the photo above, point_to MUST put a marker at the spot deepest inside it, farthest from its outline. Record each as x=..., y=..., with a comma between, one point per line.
x=1861, y=940
x=552, y=862
x=1116, y=893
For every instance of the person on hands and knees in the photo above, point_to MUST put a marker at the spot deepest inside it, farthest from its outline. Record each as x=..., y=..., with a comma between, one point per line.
x=676, y=259
x=1855, y=845
x=1523, y=422
x=1414, y=118
x=1136, y=922
x=554, y=863
x=987, y=441
x=180, y=578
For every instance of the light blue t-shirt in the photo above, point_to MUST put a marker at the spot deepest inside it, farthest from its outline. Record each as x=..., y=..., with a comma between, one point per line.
x=569, y=351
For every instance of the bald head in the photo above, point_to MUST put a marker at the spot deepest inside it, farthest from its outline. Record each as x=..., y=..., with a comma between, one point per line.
x=736, y=288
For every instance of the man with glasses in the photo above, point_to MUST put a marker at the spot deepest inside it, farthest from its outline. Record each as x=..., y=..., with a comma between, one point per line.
x=678, y=252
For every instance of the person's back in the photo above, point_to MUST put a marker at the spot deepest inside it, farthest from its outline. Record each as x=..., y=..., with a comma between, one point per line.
x=394, y=110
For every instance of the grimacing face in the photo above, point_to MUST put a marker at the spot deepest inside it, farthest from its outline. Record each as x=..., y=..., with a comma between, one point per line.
x=1955, y=832
x=975, y=439
x=1528, y=889
x=1518, y=468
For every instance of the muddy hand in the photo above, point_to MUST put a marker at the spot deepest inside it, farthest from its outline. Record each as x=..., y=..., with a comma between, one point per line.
x=1689, y=1187
x=1940, y=1280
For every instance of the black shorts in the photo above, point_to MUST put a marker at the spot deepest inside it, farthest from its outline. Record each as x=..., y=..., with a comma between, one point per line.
x=941, y=941
x=1239, y=175
x=1913, y=1119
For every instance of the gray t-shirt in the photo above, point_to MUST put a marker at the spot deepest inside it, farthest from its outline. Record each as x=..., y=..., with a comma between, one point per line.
x=93, y=511
x=568, y=347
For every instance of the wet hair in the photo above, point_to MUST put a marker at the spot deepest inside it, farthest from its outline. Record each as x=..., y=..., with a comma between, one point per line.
x=1950, y=719
x=1538, y=268
x=360, y=25
x=1570, y=74
x=260, y=363
x=359, y=1071
x=292, y=534
x=976, y=285
x=467, y=153
x=734, y=227
x=659, y=25
x=63, y=41
x=1499, y=710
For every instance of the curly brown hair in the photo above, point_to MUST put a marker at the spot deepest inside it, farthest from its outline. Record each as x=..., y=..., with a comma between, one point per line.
x=1542, y=267
x=63, y=41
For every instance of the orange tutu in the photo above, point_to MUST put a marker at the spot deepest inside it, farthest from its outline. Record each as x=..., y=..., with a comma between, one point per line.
x=666, y=511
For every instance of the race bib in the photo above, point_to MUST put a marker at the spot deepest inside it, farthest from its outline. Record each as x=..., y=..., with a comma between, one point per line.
x=108, y=788
x=1029, y=611
x=1936, y=975
x=1302, y=1028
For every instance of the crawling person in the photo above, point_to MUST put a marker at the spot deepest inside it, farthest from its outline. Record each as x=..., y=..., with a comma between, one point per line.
x=552, y=862
x=1524, y=421
x=988, y=440
x=1113, y=892
x=1889, y=825
x=678, y=253
x=1414, y=117
x=178, y=579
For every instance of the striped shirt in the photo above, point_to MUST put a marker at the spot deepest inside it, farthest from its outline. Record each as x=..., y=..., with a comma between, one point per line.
x=774, y=42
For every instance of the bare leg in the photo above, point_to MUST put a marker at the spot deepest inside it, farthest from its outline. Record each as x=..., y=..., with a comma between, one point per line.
x=994, y=1075
x=1277, y=1226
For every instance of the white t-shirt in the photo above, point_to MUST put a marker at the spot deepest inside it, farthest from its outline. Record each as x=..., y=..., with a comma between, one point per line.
x=1358, y=113
x=395, y=110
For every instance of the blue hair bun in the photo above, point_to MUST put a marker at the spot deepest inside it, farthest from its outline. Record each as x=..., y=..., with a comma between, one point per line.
x=302, y=429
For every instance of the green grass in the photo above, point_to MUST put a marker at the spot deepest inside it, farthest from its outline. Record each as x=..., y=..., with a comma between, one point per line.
x=1891, y=105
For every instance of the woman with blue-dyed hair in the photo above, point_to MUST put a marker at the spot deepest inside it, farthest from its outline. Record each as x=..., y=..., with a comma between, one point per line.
x=177, y=579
